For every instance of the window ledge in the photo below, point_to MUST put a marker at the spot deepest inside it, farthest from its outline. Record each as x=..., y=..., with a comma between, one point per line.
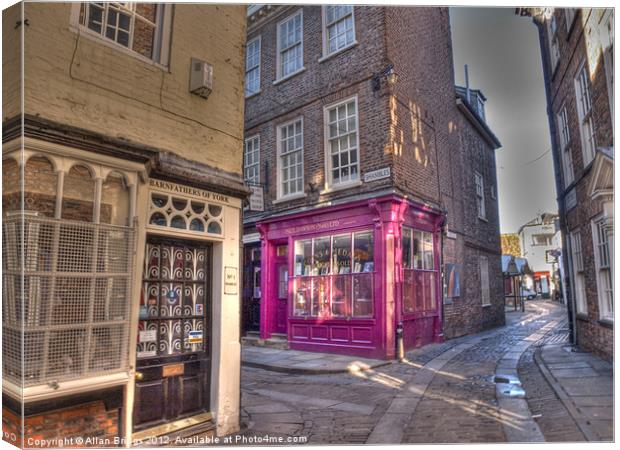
x=96, y=37
x=337, y=52
x=289, y=197
x=484, y=219
x=253, y=94
x=340, y=187
x=43, y=392
x=290, y=75
x=487, y=305
x=607, y=323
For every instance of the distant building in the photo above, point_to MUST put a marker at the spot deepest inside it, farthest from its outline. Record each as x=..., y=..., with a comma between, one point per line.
x=378, y=176
x=541, y=243
x=510, y=244
x=577, y=47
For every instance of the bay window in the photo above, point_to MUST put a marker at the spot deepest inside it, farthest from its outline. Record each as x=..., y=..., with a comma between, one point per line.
x=578, y=273
x=418, y=260
x=67, y=264
x=603, y=264
x=342, y=151
x=334, y=276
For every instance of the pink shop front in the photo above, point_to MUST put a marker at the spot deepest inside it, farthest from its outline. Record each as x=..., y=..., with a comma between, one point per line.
x=341, y=279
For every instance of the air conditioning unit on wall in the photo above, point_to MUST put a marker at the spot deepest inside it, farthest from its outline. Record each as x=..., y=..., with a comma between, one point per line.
x=200, y=78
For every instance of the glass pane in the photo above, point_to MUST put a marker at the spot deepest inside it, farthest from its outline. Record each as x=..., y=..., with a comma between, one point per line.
x=320, y=296
x=193, y=335
x=428, y=251
x=78, y=195
x=417, y=249
x=406, y=248
x=429, y=291
x=418, y=291
x=282, y=282
x=39, y=186
x=169, y=337
x=341, y=254
x=303, y=257
x=363, y=295
x=302, y=296
x=321, y=256
x=341, y=295
x=115, y=201
x=214, y=228
x=171, y=300
x=409, y=291
x=363, y=253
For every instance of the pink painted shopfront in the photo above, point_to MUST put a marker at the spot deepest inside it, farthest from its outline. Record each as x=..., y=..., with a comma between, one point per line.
x=341, y=279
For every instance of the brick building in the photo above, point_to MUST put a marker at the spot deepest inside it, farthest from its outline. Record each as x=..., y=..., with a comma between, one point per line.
x=378, y=177
x=122, y=200
x=577, y=52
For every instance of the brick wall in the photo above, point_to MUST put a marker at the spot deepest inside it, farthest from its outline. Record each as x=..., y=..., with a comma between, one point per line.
x=89, y=423
x=577, y=44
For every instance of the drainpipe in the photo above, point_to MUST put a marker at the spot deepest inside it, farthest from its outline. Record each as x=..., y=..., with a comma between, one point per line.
x=568, y=291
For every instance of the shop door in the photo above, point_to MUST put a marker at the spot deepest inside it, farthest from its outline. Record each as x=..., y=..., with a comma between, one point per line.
x=282, y=296
x=174, y=332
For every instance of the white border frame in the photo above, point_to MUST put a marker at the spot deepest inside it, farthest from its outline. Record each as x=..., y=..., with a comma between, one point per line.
x=279, y=76
x=325, y=54
x=257, y=135
x=279, y=196
x=260, y=63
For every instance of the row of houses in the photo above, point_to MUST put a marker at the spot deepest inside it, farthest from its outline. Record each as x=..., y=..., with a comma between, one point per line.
x=577, y=48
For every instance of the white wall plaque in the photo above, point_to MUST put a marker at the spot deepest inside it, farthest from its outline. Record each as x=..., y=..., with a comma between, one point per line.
x=377, y=174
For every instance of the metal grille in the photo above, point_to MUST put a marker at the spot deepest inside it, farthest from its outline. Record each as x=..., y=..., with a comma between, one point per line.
x=66, y=303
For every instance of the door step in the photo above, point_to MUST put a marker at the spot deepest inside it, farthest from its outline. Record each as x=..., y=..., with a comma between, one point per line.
x=277, y=340
x=193, y=431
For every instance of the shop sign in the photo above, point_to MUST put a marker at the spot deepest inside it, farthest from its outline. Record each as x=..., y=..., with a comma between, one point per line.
x=257, y=201
x=377, y=175
x=173, y=370
x=147, y=354
x=148, y=336
x=195, y=337
x=230, y=280
x=174, y=188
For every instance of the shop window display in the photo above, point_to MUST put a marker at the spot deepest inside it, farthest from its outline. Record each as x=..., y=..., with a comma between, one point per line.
x=419, y=271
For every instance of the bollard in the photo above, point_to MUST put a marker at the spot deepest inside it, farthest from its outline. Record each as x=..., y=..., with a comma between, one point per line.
x=400, y=344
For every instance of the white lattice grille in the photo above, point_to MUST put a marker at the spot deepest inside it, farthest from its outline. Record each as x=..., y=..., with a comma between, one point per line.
x=70, y=305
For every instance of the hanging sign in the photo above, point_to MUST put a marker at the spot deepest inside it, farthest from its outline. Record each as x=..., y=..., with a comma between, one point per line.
x=257, y=201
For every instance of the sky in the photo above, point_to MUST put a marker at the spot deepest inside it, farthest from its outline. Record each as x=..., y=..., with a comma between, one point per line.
x=502, y=52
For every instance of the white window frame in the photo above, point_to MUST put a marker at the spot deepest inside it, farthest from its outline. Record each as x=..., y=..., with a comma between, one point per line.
x=279, y=75
x=604, y=269
x=325, y=33
x=554, y=47
x=255, y=165
x=607, y=39
x=279, y=177
x=567, y=158
x=163, y=31
x=485, y=285
x=579, y=279
x=255, y=67
x=479, y=191
x=584, y=111
x=329, y=182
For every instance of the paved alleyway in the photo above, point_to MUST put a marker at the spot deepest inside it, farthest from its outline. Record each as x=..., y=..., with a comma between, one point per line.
x=463, y=390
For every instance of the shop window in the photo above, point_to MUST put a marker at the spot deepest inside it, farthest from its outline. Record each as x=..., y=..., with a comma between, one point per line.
x=40, y=181
x=143, y=28
x=78, y=197
x=419, y=273
x=11, y=198
x=115, y=200
x=603, y=264
x=281, y=250
x=334, y=276
x=66, y=276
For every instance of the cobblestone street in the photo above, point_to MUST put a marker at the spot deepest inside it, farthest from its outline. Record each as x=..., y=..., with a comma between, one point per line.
x=444, y=393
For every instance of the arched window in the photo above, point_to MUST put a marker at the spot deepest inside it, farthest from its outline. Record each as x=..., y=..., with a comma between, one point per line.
x=78, y=195
x=115, y=200
x=40, y=181
x=10, y=186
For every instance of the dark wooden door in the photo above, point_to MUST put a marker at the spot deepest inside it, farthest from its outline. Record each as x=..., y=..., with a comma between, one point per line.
x=174, y=333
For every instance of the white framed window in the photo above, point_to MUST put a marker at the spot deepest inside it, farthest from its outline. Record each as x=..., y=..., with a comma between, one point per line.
x=479, y=182
x=290, y=159
x=252, y=66
x=584, y=111
x=485, y=288
x=567, y=159
x=342, y=142
x=251, y=160
x=290, y=45
x=579, y=277
x=603, y=264
x=338, y=28
x=569, y=15
x=143, y=28
x=554, y=47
